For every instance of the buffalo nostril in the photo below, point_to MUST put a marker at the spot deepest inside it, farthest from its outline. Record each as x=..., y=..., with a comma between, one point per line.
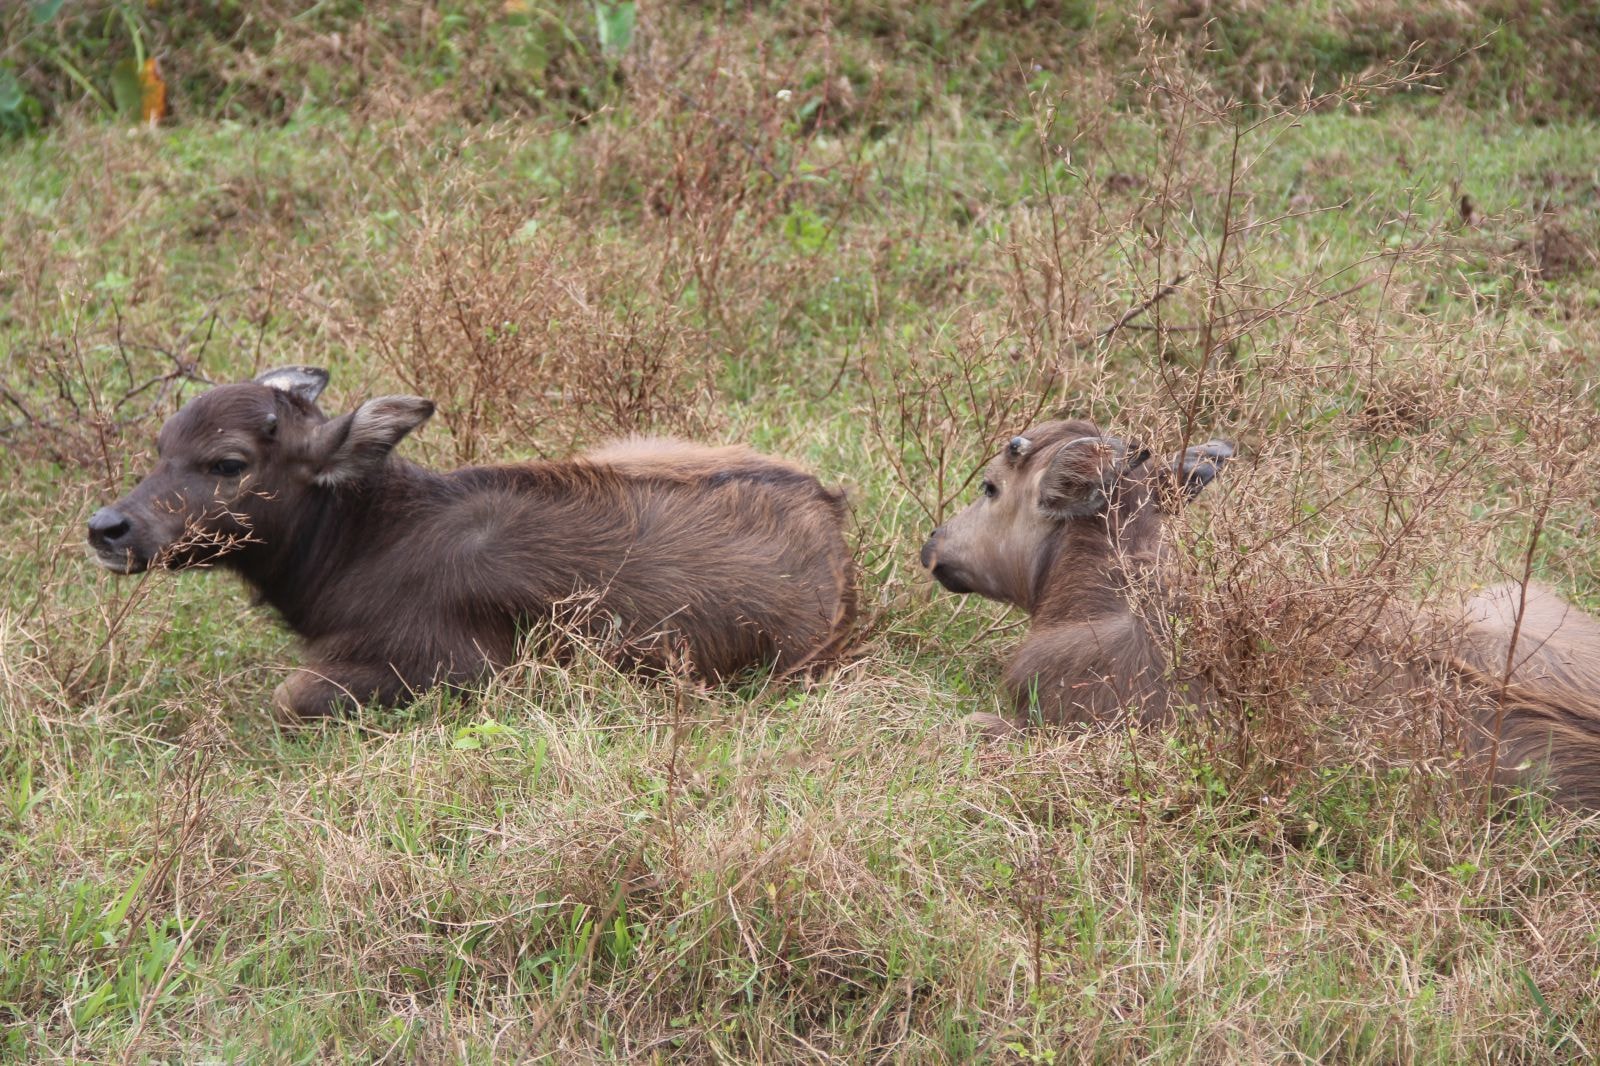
x=107, y=526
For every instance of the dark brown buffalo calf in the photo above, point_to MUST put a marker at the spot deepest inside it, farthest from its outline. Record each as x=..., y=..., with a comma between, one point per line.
x=668, y=554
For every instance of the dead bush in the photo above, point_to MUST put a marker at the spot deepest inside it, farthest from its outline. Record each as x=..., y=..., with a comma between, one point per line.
x=740, y=168
x=934, y=416
x=516, y=333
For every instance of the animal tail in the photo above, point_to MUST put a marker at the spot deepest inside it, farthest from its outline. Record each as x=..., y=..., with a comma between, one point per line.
x=1548, y=736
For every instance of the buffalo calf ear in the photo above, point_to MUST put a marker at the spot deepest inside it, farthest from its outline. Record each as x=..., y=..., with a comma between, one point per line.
x=1073, y=499
x=1200, y=465
x=350, y=448
x=1074, y=483
x=305, y=382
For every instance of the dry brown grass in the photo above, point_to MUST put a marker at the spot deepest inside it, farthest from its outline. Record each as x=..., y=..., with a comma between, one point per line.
x=525, y=335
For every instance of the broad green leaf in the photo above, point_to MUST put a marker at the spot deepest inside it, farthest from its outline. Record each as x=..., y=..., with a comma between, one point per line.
x=615, y=25
x=119, y=910
x=45, y=10
x=11, y=94
x=126, y=89
x=90, y=1007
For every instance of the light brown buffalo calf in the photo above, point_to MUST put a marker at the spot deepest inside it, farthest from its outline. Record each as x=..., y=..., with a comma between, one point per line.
x=668, y=554
x=1068, y=528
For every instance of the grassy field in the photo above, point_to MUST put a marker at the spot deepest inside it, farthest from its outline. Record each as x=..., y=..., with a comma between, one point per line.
x=878, y=242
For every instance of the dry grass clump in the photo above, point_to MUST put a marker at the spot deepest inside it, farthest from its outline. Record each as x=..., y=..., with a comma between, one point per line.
x=1311, y=581
x=1556, y=252
x=72, y=380
x=1264, y=52
x=576, y=873
x=739, y=168
x=513, y=331
x=1417, y=471
x=112, y=315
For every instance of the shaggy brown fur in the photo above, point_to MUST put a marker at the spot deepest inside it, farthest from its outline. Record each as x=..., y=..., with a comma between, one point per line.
x=1069, y=529
x=669, y=555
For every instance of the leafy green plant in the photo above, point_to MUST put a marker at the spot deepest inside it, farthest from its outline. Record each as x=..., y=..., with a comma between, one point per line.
x=19, y=111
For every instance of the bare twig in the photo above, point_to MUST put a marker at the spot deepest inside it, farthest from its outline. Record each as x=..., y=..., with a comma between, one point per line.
x=1140, y=308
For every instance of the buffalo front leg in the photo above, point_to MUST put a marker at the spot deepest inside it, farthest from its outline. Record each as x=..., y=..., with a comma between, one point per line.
x=336, y=688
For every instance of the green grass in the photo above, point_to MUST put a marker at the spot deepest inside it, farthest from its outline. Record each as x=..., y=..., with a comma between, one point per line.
x=571, y=864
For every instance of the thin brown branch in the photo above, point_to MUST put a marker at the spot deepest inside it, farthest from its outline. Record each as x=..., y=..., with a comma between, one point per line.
x=1140, y=308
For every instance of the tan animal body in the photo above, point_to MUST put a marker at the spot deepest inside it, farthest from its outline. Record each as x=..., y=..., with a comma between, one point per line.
x=397, y=578
x=1068, y=528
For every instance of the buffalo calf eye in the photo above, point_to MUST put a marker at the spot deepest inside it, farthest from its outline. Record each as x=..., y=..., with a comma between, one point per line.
x=228, y=467
x=990, y=489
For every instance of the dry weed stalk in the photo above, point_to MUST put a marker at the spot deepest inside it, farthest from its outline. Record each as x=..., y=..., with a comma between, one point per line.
x=74, y=399
x=507, y=332
x=729, y=161
x=923, y=414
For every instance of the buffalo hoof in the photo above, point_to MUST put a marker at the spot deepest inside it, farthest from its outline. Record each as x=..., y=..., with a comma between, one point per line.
x=304, y=698
x=283, y=708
